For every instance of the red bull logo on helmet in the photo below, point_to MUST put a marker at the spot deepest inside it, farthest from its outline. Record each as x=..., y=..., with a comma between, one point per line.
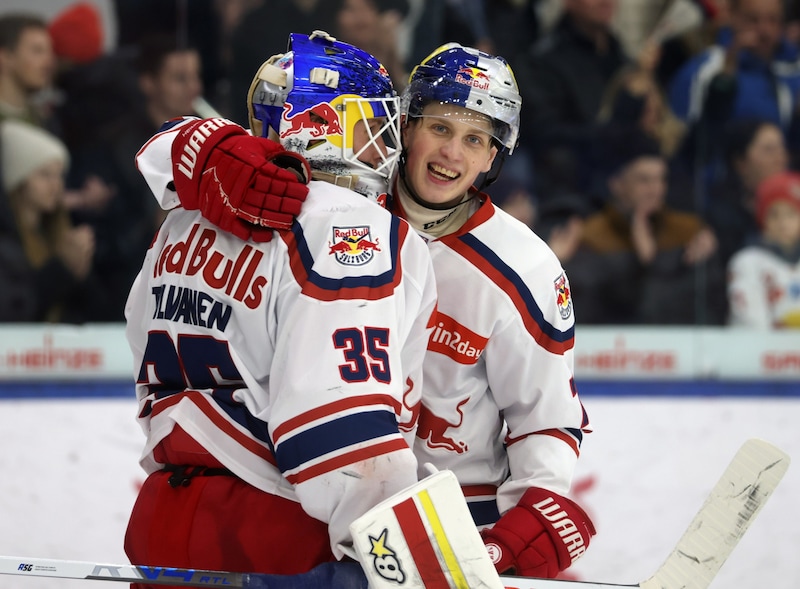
x=353, y=246
x=563, y=296
x=321, y=120
x=472, y=76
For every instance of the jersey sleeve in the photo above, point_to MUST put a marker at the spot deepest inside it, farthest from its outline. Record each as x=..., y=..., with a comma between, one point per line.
x=349, y=350
x=154, y=162
x=529, y=364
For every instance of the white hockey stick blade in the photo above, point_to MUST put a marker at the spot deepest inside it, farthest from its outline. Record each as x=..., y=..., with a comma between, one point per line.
x=730, y=508
x=728, y=511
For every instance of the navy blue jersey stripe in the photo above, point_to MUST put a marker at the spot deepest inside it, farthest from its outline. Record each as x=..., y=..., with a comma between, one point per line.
x=332, y=436
x=485, y=512
x=521, y=288
x=241, y=414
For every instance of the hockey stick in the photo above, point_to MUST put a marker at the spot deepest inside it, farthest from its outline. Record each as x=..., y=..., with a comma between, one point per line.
x=728, y=511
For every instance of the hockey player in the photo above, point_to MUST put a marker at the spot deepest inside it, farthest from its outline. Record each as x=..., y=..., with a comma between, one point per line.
x=500, y=408
x=278, y=375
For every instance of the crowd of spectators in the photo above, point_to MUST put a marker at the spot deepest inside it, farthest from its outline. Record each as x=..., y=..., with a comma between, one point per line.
x=660, y=171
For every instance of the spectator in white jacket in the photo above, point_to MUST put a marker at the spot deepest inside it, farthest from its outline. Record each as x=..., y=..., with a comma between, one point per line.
x=764, y=277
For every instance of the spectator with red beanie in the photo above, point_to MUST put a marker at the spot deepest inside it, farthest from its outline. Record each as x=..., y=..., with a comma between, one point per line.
x=764, y=278
x=77, y=33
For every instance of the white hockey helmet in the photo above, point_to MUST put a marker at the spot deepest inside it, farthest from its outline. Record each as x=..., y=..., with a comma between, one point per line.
x=467, y=77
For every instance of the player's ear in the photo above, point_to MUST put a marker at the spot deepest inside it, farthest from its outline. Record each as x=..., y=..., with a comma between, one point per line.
x=490, y=160
x=407, y=125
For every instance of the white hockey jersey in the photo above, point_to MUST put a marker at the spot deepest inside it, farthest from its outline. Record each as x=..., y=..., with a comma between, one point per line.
x=297, y=363
x=763, y=289
x=500, y=407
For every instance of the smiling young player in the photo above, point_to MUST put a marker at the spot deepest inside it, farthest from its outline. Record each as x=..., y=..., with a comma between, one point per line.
x=499, y=404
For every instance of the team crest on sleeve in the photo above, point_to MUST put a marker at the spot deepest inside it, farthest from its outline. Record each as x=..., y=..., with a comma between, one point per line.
x=353, y=246
x=563, y=296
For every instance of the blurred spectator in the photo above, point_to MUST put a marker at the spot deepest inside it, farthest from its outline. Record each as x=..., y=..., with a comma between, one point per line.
x=678, y=49
x=514, y=197
x=750, y=73
x=638, y=259
x=45, y=262
x=562, y=80
x=560, y=223
x=26, y=66
x=754, y=150
x=90, y=91
x=764, y=278
x=192, y=23
x=374, y=26
x=445, y=21
x=169, y=81
x=513, y=25
x=634, y=99
x=77, y=34
x=266, y=23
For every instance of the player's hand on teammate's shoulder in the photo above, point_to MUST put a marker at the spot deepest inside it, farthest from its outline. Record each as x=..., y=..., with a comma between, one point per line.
x=246, y=185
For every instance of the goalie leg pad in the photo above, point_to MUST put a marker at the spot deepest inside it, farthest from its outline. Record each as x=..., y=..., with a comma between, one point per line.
x=423, y=537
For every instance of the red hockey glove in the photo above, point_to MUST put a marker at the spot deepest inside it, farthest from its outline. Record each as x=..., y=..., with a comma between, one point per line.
x=540, y=536
x=242, y=184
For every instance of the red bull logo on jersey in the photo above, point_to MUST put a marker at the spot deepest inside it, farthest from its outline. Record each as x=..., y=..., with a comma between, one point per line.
x=472, y=76
x=353, y=246
x=433, y=429
x=320, y=120
x=454, y=340
x=563, y=296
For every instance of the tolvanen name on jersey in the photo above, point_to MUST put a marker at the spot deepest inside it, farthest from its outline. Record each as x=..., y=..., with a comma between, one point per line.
x=191, y=306
x=236, y=277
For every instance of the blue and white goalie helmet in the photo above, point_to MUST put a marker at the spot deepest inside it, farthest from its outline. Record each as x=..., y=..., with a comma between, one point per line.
x=472, y=79
x=315, y=97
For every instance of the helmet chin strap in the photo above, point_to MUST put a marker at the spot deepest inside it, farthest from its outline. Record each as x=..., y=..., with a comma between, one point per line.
x=494, y=172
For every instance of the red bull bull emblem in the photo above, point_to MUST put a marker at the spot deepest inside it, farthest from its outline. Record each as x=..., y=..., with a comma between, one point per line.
x=472, y=76
x=433, y=429
x=320, y=120
x=353, y=246
x=563, y=296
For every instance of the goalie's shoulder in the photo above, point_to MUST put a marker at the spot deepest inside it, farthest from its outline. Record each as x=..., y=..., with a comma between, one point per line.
x=325, y=199
x=346, y=246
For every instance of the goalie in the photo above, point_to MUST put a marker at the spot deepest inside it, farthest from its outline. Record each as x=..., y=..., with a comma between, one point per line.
x=277, y=351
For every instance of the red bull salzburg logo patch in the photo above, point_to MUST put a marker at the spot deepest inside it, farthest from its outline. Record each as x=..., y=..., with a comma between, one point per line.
x=353, y=246
x=563, y=297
